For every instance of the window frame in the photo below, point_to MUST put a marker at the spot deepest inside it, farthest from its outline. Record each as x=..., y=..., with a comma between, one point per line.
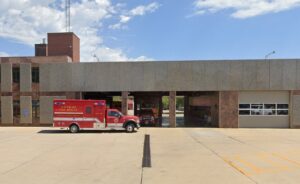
x=16, y=75
x=263, y=109
x=35, y=109
x=35, y=75
x=16, y=108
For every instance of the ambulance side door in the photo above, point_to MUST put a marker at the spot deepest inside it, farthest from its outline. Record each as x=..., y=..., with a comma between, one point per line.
x=112, y=118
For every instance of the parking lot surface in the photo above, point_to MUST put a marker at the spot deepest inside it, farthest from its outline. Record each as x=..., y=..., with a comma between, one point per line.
x=180, y=155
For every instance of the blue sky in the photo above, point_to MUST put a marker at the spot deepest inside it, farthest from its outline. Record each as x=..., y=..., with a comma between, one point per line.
x=161, y=30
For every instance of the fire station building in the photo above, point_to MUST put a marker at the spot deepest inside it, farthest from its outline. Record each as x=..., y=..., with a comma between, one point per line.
x=229, y=94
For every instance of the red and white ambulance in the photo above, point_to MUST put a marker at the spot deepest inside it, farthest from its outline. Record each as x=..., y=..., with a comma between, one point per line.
x=77, y=115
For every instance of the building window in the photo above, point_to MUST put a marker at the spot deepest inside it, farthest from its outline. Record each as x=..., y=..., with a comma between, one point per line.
x=16, y=108
x=35, y=75
x=16, y=74
x=282, y=109
x=259, y=109
x=35, y=108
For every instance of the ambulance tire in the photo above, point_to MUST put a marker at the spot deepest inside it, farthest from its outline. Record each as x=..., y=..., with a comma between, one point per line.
x=129, y=128
x=74, y=128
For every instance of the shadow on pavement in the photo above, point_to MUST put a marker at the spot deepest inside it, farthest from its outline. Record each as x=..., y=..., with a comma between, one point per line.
x=83, y=131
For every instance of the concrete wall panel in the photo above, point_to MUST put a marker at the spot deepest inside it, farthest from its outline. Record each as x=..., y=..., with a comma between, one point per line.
x=46, y=108
x=224, y=76
x=161, y=77
x=297, y=75
x=289, y=74
x=6, y=77
x=126, y=74
x=136, y=80
x=264, y=122
x=25, y=77
x=198, y=73
x=264, y=97
x=249, y=75
x=174, y=76
x=149, y=76
x=262, y=75
x=185, y=79
x=77, y=79
x=276, y=75
x=6, y=110
x=236, y=75
x=26, y=109
x=211, y=76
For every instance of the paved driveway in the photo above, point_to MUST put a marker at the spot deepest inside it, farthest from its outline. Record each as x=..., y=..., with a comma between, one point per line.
x=181, y=155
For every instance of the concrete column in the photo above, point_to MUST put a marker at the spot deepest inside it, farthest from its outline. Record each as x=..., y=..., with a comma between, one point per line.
x=228, y=109
x=7, y=110
x=172, y=109
x=25, y=77
x=26, y=109
x=125, y=102
x=6, y=77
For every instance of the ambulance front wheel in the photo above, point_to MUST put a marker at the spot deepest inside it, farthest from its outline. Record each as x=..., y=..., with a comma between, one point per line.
x=74, y=128
x=130, y=128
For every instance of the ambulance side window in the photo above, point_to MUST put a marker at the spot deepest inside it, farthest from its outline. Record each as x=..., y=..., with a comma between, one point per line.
x=113, y=113
x=88, y=110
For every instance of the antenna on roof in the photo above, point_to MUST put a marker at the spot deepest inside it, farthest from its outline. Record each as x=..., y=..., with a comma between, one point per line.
x=68, y=15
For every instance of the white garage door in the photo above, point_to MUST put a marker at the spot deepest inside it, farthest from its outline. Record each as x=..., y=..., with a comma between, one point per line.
x=264, y=110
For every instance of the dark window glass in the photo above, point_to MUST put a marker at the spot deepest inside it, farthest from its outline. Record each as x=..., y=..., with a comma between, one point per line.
x=256, y=106
x=35, y=108
x=16, y=75
x=244, y=112
x=16, y=108
x=88, y=110
x=282, y=112
x=35, y=75
x=244, y=106
x=257, y=112
x=113, y=113
x=269, y=112
x=270, y=106
x=282, y=106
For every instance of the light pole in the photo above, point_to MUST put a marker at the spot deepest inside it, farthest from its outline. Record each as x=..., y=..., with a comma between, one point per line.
x=268, y=55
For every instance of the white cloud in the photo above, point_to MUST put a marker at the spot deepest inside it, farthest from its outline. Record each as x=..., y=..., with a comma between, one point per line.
x=3, y=54
x=137, y=11
x=245, y=8
x=142, y=10
x=108, y=54
x=28, y=21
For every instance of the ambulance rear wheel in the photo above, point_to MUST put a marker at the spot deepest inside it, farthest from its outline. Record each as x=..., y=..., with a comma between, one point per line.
x=129, y=128
x=74, y=128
